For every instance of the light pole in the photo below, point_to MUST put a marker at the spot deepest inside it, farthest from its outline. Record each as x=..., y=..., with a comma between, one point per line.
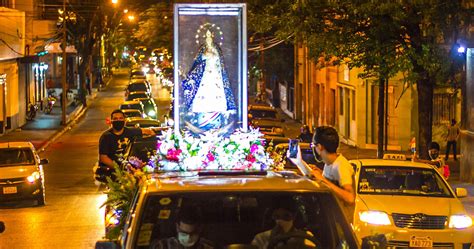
x=63, y=69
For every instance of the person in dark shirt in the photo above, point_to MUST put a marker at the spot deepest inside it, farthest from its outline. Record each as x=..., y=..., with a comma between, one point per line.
x=305, y=136
x=114, y=141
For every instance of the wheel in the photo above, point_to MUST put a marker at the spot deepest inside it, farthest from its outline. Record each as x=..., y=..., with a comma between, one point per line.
x=41, y=199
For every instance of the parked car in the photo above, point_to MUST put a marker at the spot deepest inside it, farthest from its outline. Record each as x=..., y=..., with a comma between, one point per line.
x=142, y=122
x=133, y=113
x=411, y=203
x=136, y=72
x=137, y=86
x=234, y=207
x=150, y=107
x=138, y=95
x=21, y=173
x=133, y=104
x=266, y=119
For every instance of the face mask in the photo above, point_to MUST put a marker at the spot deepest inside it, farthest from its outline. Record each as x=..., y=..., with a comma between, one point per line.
x=434, y=155
x=118, y=125
x=187, y=240
x=316, y=155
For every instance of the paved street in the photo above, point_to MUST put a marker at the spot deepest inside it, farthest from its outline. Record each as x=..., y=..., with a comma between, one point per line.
x=72, y=217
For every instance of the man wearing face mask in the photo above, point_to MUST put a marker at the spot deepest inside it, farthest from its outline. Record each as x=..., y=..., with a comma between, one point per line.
x=338, y=174
x=284, y=217
x=435, y=159
x=112, y=142
x=188, y=229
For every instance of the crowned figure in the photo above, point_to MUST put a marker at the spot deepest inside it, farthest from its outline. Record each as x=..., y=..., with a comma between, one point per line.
x=209, y=101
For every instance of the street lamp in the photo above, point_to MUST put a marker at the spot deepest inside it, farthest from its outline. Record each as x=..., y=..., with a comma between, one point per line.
x=131, y=18
x=125, y=11
x=114, y=1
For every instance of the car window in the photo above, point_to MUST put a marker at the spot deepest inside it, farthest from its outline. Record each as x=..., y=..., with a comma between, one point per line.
x=131, y=106
x=133, y=114
x=137, y=96
x=263, y=114
x=137, y=87
x=402, y=181
x=12, y=156
x=236, y=217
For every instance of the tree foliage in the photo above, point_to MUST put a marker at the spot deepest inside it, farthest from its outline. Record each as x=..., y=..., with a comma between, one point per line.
x=155, y=27
x=381, y=37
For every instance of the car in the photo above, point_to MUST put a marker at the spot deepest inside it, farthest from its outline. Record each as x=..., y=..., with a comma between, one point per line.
x=138, y=95
x=411, y=203
x=234, y=207
x=137, y=86
x=133, y=113
x=133, y=104
x=266, y=119
x=150, y=107
x=138, y=77
x=136, y=72
x=21, y=173
x=141, y=148
x=142, y=122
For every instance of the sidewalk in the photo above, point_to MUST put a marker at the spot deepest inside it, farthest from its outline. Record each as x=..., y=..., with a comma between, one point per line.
x=45, y=128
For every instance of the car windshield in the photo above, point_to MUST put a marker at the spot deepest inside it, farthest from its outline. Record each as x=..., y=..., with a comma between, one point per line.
x=13, y=156
x=137, y=87
x=138, y=72
x=402, y=181
x=131, y=106
x=132, y=114
x=136, y=96
x=231, y=218
x=263, y=114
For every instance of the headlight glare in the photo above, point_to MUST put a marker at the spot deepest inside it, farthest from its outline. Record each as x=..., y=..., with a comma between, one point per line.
x=33, y=177
x=151, y=113
x=375, y=217
x=460, y=221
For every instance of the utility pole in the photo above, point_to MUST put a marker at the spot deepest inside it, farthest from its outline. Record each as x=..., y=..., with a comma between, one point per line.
x=64, y=65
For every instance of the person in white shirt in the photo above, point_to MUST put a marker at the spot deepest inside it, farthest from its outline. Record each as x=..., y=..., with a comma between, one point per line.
x=338, y=174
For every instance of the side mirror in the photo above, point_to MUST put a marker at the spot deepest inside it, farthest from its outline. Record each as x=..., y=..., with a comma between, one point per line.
x=377, y=241
x=2, y=227
x=107, y=244
x=461, y=192
x=44, y=161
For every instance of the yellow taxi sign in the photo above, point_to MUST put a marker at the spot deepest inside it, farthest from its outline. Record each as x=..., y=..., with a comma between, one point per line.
x=400, y=157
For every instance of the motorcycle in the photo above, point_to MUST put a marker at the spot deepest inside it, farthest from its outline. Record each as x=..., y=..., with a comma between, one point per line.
x=49, y=107
x=31, y=114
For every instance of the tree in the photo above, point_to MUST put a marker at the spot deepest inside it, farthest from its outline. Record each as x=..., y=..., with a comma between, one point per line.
x=382, y=38
x=156, y=27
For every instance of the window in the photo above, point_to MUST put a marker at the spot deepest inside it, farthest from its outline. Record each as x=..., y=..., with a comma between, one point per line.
x=353, y=105
x=341, y=101
x=444, y=108
x=5, y=3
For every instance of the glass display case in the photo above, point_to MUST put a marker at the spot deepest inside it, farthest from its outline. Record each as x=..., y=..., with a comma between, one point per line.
x=210, y=58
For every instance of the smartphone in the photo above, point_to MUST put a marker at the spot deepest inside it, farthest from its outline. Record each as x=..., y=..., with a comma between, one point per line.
x=293, y=148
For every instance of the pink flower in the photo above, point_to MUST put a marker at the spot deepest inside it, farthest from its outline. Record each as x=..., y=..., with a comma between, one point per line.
x=253, y=148
x=250, y=158
x=173, y=154
x=210, y=157
x=158, y=145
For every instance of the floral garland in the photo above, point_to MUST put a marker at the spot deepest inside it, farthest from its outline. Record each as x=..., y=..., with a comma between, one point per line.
x=240, y=151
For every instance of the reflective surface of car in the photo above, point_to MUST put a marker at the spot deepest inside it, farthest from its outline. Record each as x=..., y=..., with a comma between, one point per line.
x=411, y=204
x=150, y=107
x=234, y=207
x=133, y=104
x=133, y=113
x=21, y=173
x=138, y=95
x=266, y=119
x=137, y=72
x=142, y=122
x=137, y=86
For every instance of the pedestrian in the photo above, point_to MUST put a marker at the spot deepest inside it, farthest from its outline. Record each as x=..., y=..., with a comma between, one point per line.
x=451, y=138
x=338, y=173
x=305, y=136
x=88, y=83
x=435, y=160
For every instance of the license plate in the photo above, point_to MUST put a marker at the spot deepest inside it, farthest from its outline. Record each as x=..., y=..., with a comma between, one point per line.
x=10, y=190
x=425, y=242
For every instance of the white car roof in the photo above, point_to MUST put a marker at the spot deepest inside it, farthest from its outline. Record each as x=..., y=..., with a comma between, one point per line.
x=391, y=163
x=18, y=144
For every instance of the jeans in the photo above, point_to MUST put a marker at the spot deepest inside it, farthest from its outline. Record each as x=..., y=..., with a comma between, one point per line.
x=448, y=146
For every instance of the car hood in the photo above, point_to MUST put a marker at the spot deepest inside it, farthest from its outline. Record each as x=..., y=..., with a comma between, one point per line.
x=8, y=172
x=412, y=204
x=266, y=123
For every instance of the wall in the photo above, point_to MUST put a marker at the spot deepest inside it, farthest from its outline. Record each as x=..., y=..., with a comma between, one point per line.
x=12, y=25
x=10, y=68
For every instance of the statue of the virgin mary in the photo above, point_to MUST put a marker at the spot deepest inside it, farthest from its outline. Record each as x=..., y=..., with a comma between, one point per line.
x=208, y=97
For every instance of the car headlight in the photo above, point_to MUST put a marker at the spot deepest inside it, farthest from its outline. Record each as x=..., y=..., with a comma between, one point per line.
x=151, y=113
x=33, y=177
x=460, y=221
x=375, y=217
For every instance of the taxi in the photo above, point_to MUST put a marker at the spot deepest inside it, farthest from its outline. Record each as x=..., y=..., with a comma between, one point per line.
x=411, y=203
x=234, y=206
